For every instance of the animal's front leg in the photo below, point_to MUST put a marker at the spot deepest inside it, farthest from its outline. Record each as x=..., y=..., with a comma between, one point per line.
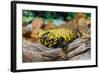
x=63, y=54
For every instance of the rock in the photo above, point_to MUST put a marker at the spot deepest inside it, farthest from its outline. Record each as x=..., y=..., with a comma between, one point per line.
x=49, y=25
x=26, y=33
x=37, y=23
x=70, y=24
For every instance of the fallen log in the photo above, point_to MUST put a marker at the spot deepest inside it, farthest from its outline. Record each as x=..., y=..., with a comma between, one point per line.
x=36, y=52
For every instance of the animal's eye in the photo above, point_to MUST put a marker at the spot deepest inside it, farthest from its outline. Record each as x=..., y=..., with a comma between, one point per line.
x=44, y=36
x=46, y=33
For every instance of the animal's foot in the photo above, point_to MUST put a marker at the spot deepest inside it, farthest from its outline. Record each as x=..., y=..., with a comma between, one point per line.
x=62, y=55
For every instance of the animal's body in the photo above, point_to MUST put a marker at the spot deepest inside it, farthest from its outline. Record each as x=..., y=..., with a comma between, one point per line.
x=57, y=38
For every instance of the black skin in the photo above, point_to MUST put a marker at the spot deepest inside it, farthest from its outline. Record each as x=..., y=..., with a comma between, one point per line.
x=62, y=43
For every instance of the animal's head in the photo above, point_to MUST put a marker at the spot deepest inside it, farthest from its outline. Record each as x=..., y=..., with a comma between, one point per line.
x=47, y=39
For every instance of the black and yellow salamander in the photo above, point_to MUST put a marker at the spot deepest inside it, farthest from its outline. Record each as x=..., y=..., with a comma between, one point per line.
x=57, y=38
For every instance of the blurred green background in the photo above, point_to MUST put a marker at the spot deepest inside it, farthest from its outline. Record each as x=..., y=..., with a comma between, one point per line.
x=56, y=17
